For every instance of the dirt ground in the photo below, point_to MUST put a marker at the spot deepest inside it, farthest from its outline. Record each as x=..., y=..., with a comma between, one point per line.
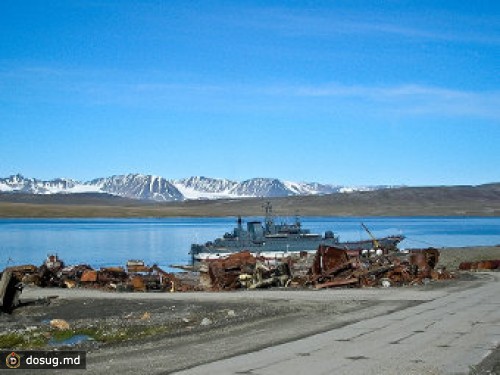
x=166, y=332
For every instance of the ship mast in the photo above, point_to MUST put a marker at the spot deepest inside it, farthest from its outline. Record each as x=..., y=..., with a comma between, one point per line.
x=297, y=219
x=269, y=221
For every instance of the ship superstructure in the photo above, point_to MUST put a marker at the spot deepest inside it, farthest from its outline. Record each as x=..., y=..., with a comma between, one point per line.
x=272, y=240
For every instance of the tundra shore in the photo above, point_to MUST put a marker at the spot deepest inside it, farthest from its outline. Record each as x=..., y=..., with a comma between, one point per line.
x=443, y=327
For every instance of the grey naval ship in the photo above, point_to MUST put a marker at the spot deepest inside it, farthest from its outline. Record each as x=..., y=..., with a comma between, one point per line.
x=274, y=241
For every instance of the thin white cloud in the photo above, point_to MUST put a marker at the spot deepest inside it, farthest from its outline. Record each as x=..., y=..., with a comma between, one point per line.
x=331, y=24
x=374, y=92
x=90, y=89
x=408, y=98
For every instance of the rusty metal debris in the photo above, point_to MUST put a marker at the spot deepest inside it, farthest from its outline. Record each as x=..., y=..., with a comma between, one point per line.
x=136, y=277
x=328, y=267
x=481, y=265
x=332, y=267
x=244, y=270
x=225, y=273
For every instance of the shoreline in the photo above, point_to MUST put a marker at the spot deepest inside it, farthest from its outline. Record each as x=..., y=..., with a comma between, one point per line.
x=232, y=216
x=4, y=215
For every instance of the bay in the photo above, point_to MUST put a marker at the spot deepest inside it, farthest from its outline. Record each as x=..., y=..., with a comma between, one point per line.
x=111, y=242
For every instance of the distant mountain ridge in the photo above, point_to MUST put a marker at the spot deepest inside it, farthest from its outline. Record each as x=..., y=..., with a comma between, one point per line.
x=156, y=188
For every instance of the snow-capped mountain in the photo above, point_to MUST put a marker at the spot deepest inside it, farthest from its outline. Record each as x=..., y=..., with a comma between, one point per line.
x=35, y=186
x=148, y=187
x=138, y=186
x=261, y=187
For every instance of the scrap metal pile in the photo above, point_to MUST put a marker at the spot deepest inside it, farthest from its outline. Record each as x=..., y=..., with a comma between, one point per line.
x=136, y=277
x=328, y=267
x=336, y=267
x=244, y=270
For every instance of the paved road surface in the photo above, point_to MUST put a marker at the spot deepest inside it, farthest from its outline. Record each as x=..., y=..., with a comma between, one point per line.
x=446, y=335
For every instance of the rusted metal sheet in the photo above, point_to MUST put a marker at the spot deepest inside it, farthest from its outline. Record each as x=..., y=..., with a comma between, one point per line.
x=224, y=273
x=23, y=269
x=115, y=275
x=464, y=266
x=137, y=269
x=113, y=270
x=135, y=266
x=89, y=276
x=328, y=259
x=491, y=264
x=425, y=260
x=333, y=267
x=339, y=282
x=74, y=273
x=138, y=283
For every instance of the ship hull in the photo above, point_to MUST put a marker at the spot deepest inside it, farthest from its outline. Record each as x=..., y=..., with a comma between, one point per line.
x=276, y=249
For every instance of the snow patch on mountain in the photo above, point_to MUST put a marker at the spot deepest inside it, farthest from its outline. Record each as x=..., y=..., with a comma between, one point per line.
x=311, y=188
x=204, y=187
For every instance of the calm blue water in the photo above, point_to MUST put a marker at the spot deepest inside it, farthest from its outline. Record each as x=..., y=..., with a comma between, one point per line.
x=106, y=242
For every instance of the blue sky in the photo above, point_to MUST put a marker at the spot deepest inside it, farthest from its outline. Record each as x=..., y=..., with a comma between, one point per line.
x=346, y=92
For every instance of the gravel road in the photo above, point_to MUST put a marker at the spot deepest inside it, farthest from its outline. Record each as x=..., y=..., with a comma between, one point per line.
x=446, y=335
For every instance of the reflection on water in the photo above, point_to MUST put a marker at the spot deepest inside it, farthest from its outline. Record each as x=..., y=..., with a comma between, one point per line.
x=105, y=242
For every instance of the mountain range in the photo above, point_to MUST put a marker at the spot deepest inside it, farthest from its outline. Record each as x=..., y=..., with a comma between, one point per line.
x=156, y=188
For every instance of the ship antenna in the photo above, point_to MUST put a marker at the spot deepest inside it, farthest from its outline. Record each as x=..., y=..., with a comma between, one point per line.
x=269, y=215
x=297, y=218
x=269, y=208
